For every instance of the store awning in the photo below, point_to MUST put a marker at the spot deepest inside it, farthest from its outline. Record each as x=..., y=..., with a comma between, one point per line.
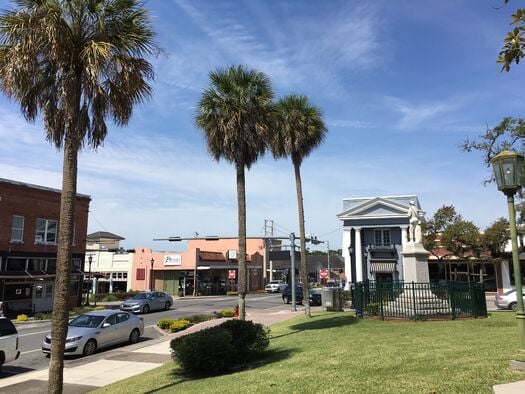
x=382, y=266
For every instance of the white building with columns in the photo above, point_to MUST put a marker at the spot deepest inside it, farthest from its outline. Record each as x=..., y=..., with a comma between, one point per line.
x=375, y=229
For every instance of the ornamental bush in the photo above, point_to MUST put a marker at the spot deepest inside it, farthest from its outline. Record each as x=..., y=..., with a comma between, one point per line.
x=179, y=325
x=232, y=293
x=22, y=317
x=164, y=324
x=220, y=348
x=227, y=313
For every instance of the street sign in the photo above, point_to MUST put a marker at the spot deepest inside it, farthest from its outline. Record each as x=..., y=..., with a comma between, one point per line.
x=323, y=274
x=231, y=274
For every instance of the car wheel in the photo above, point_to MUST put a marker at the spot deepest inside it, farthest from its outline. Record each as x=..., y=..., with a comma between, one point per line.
x=286, y=300
x=90, y=347
x=145, y=309
x=513, y=306
x=167, y=306
x=134, y=336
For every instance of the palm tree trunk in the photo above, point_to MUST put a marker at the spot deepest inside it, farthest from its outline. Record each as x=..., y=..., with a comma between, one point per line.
x=241, y=257
x=63, y=266
x=304, y=265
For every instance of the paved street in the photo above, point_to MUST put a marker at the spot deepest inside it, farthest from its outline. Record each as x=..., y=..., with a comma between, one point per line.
x=31, y=335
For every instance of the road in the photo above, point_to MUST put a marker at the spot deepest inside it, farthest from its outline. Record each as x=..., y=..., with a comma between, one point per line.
x=31, y=335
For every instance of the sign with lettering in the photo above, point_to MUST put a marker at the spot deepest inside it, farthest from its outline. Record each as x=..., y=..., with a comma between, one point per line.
x=173, y=259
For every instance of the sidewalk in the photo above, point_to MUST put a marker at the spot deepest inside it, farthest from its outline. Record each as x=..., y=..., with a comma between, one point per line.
x=121, y=363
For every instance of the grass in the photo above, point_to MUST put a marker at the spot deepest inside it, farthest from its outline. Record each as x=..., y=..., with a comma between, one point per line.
x=335, y=352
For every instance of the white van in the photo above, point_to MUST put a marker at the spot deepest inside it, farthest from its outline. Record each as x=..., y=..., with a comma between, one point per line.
x=8, y=342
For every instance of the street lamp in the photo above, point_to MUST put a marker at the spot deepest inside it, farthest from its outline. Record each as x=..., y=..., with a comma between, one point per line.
x=90, y=259
x=151, y=274
x=508, y=171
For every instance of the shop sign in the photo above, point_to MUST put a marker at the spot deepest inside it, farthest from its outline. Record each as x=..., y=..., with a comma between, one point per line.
x=173, y=259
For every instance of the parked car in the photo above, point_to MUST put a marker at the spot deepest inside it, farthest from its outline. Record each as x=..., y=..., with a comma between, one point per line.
x=507, y=300
x=274, y=286
x=147, y=301
x=287, y=294
x=98, y=329
x=8, y=342
x=315, y=298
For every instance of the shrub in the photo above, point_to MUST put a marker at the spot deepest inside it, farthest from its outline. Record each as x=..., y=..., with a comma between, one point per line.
x=205, y=352
x=109, y=298
x=198, y=318
x=232, y=293
x=43, y=316
x=99, y=308
x=22, y=317
x=248, y=338
x=164, y=324
x=372, y=309
x=179, y=325
x=227, y=313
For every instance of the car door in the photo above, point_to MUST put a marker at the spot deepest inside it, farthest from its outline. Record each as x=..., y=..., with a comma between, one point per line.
x=123, y=327
x=108, y=334
x=159, y=300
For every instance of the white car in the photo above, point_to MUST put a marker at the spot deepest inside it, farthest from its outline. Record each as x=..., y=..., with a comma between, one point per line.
x=274, y=286
x=8, y=342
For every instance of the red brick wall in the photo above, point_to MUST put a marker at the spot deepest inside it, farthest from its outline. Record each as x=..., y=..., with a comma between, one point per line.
x=34, y=202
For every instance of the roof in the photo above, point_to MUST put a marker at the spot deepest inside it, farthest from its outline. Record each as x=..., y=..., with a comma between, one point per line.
x=49, y=189
x=103, y=235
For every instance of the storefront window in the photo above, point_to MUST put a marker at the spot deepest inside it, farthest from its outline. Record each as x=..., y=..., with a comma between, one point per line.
x=36, y=265
x=14, y=264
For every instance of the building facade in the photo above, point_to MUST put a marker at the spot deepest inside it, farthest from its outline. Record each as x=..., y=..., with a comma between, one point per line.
x=107, y=266
x=375, y=230
x=29, y=217
x=206, y=267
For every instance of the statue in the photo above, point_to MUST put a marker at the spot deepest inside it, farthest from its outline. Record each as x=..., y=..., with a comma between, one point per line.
x=414, y=231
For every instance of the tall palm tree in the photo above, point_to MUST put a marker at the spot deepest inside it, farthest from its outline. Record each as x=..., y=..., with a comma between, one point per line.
x=234, y=114
x=299, y=129
x=77, y=62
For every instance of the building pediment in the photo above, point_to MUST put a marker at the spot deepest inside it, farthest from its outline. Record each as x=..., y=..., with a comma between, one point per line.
x=377, y=207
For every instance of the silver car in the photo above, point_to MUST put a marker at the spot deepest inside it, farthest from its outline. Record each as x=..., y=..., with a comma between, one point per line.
x=94, y=330
x=147, y=301
x=507, y=300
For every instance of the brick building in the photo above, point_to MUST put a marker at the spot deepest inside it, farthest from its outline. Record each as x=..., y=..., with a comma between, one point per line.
x=29, y=217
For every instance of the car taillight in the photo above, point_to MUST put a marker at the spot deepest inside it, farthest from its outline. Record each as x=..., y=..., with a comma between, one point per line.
x=499, y=298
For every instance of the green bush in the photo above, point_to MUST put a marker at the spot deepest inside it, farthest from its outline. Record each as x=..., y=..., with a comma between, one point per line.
x=219, y=348
x=205, y=352
x=109, y=298
x=232, y=293
x=179, y=325
x=43, y=316
x=198, y=318
x=372, y=309
x=164, y=324
x=227, y=313
x=22, y=317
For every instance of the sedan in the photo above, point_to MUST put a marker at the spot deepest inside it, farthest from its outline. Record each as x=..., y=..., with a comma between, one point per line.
x=507, y=300
x=98, y=329
x=147, y=301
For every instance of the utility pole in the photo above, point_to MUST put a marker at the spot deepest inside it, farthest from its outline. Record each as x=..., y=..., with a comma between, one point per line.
x=292, y=271
x=268, y=232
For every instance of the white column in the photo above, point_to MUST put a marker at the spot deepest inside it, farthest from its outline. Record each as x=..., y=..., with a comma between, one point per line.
x=271, y=270
x=505, y=275
x=347, y=232
x=358, y=255
x=404, y=237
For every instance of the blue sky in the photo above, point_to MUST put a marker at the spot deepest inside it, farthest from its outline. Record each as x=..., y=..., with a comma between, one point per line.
x=401, y=84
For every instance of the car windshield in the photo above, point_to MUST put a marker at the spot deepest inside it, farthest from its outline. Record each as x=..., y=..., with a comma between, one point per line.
x=141, y=296
x=89, y=321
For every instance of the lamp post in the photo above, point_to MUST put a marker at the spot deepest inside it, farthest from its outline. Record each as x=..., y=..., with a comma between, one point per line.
x=508, y=171
x=151, y=274
x=90, y=259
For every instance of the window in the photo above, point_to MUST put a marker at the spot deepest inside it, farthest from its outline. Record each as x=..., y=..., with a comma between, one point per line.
x=111, y=319
x=46, y=231
x=17, y=229
x=36, y=265
x=382, y=237
x=14, y=264
x=141, y=273
x=122, y=317
x=51, y=266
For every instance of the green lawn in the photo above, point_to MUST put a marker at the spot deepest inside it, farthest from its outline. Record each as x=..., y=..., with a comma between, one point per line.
x=335, y=352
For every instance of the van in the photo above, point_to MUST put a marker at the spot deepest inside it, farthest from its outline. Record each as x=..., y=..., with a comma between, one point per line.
x=8, y=342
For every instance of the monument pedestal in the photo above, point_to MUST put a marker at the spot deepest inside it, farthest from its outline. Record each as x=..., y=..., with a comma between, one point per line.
x=415, y=263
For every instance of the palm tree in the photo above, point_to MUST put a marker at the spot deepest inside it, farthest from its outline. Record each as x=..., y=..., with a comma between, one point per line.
x=299, y=129
x=234, y=114
x=77, y=62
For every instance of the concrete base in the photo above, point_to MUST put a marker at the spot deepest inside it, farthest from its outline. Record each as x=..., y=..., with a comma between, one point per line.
x=415, y=263
x=517, y=365
x=420, y=305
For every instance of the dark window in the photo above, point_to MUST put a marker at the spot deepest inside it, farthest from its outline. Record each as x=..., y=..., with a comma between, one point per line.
x=18, y=291
x=17, y=229
x=6, y=328
x=46, y=231
x=74, y=288
x=141, y=273
x=14, y=264
x=36, y=265
x=122, y=317
x=112, y=319
x=51, y=266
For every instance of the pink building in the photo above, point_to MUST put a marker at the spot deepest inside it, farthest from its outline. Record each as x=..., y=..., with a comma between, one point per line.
x=210, y=266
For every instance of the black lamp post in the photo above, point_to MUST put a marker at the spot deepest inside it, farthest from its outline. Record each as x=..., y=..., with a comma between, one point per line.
x=508, y=171
x=90, y=259
x=151, y=274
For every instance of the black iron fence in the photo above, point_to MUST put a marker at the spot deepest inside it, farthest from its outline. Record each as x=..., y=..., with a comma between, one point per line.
x=419, y=301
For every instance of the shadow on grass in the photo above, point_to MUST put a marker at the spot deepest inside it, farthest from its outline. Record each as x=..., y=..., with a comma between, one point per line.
x=319, y=322
x=263, y=358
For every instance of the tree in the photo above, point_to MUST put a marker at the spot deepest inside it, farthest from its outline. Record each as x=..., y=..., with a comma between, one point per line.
x=77, y=62
x=496, y=237
x=234, y=113
x=514, y=43
x=461, y=237
x=299, y=129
